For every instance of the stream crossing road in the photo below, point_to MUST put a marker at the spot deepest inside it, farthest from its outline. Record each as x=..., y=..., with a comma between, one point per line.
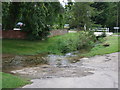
x=104, y=69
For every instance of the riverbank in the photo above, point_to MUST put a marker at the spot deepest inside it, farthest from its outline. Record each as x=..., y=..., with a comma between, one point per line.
x=99, y=49
x=53, y=45
x=27, y=47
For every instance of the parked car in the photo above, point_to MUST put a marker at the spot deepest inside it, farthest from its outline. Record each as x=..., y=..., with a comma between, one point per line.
x=19, y=25
x=66, y=26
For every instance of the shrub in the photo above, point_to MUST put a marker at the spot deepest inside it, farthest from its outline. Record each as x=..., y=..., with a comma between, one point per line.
x=73, y=42
x=101, y=36
x=86, y=40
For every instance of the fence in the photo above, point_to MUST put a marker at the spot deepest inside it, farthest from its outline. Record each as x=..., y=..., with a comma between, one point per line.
x=17, y=34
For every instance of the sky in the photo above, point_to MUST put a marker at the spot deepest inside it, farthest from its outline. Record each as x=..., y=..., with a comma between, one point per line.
x=63, y=2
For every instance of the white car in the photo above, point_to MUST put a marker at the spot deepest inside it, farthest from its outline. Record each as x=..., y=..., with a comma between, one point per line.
x=66, y=26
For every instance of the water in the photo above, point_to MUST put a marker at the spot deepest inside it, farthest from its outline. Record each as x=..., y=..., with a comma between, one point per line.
x=58, y=61
x=11, y=62
x=53, y=66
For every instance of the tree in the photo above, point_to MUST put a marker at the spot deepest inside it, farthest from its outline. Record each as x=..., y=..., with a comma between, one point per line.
x=106, y=14
x=118, y=15
x=0, y=12
x=11, y=12
x=36, y=16
x=81, y=13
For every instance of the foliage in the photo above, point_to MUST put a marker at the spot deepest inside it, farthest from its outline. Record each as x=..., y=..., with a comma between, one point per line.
x=118, y=15
x=27, y=47
x=37, y=16
x=67, y=43
x=0, y=12
x=80, y=15
x=75, y=42
x=40, y=16
x=83, y=14
x=106, y=13
x=99, y=49
x=103, y=34
x=51, y=45
x=11, y=81
x=11, y=12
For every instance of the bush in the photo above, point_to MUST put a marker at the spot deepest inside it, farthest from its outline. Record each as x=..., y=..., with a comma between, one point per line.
x=86, y=40
x=103, y=34
x=73, y=42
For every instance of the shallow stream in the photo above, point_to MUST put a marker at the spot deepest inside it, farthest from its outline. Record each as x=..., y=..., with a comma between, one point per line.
x=53, y=66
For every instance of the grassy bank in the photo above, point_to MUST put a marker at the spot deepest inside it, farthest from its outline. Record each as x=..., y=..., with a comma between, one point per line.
x=116, y=33
x=11, y=81
x=55, y=45
x=26, y=47
x=101, y=50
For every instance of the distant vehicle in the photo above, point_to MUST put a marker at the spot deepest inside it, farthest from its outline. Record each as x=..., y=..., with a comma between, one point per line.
x=66, y=26
x=19, y=25
x=16, y=29
x=116, y=27
x=101, y=29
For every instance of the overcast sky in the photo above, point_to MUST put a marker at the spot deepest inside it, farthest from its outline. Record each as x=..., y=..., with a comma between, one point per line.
x=63, y=2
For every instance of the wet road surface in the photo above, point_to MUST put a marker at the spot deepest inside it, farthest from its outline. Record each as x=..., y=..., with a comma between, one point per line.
x=94, y=72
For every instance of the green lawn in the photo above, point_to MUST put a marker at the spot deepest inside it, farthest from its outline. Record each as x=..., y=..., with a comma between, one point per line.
x=0, y=80
x=101, y=50
x=26, y=47
x=11, y=81
x=116, y=33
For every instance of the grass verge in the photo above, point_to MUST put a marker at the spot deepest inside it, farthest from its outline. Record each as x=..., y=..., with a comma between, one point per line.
x=101, y=50
x=27, y=47
x=11, y=81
